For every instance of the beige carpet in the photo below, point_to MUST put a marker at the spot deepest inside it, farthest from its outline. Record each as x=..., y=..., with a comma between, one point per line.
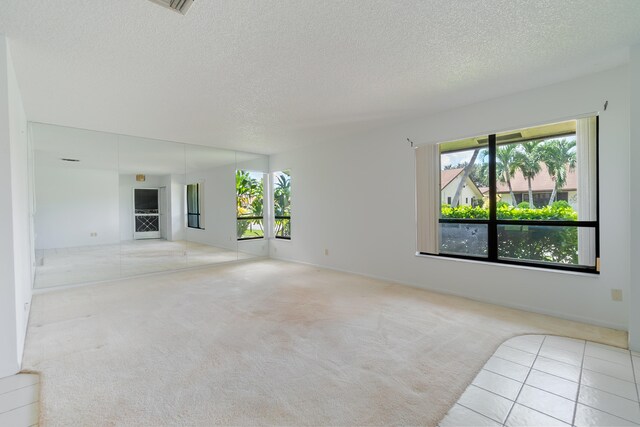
x=265, y=342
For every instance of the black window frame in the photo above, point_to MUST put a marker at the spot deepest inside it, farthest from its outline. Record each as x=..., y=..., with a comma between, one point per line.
x=281, y=217
x=493, y=222
x=197, y=214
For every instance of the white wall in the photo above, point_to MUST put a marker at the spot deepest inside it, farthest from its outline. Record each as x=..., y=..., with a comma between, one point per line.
x=356, y=198
x=219, y=207
x=634, y=320
x=177, y=208
x=72, y=203
x=16, y=251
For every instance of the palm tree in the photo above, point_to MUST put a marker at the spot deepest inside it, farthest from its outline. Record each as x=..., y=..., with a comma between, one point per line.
x=527, y=161
x=506, y=167
x=465, y=174
x=559, y=156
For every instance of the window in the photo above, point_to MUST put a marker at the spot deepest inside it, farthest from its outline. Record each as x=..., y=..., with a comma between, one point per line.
x=533, y=196
x=195, y=218
x=249, y=205
x=282, y=204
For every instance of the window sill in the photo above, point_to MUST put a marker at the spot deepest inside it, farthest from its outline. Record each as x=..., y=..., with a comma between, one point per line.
x=521, y=267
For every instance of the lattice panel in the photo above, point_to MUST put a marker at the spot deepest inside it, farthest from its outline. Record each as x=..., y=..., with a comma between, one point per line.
x=147, y=223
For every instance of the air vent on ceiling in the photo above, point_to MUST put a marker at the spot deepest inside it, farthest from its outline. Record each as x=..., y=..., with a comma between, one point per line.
x=180, y=6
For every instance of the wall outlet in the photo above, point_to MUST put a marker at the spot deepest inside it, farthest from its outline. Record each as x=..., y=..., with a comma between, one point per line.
x=616, y=294
x=326, y=252
x=94, y=234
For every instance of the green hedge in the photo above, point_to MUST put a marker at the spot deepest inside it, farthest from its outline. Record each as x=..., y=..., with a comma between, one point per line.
x=504, y=211
x=532, y=243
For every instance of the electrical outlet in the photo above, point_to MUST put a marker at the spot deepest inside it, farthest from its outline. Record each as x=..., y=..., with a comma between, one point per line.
x=616, y=294
x=326, y=252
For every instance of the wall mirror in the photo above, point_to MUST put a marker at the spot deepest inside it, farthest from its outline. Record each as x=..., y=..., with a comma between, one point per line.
x=110, y=206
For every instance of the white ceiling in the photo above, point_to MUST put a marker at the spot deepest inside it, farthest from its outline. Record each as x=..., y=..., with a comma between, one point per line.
x=267, y=76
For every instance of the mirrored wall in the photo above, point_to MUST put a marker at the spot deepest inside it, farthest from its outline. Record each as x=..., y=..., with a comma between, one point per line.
x=109, y=206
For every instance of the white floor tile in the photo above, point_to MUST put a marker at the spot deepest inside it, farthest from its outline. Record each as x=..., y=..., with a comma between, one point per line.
x=547, y=403
x=17, y=398
x=528, y=343
x=498, y=384
x=612, y=369
x=601, y=378
x=612, y=404
x=507, y=368
x=514, y=355
x=609, y=384
x=571, y=344
x=612, y=354
x=590, y=417
x=24, y=416
x=559, y=369
x=523, y=416
x=636, y=366
x=486, y=403
x=17, y=381
x=561, y=354
x=552, y=384
x=459, y=416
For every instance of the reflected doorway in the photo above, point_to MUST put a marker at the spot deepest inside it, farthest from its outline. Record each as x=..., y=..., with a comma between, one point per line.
x=146, y=213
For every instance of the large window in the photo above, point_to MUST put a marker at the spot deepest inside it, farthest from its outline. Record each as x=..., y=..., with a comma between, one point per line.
x=249, y=205
x=282, y=204
x=195, y=218
x=525, y=197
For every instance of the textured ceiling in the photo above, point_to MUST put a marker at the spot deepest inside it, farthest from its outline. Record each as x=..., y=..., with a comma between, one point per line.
x=267, y=76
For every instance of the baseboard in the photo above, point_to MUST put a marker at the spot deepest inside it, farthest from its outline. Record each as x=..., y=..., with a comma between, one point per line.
x=507, y=304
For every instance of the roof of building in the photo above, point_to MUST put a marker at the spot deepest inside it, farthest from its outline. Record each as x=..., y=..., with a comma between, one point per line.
x=542, y=181
x=448, y=175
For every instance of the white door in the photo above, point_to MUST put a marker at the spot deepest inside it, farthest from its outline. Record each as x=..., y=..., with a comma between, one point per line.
x=146, y=213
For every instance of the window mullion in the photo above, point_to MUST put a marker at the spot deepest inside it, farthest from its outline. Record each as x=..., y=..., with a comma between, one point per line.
x=492, y=227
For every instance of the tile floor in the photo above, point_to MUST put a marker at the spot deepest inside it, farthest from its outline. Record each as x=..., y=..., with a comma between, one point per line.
x=19, y=396
x=543, y=380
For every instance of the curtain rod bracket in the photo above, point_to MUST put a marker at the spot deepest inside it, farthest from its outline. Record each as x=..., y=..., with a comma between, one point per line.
x=606, y=104
x=410, y=142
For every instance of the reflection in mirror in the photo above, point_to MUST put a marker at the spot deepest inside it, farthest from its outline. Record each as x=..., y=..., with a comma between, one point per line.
x=76, y=208
x=252, y=231
x=152, y=205
x=110, y=206
x=209, y=193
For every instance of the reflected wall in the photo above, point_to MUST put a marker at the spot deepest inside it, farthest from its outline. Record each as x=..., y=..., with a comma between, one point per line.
x=110, y=206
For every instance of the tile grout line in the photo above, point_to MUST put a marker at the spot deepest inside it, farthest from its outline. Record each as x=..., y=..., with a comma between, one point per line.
x=575, y=404
x=19, y=388
x=523, y=382
x=633, y=370
x=21, y=406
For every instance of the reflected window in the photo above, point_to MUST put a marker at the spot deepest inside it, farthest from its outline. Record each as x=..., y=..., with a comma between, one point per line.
x=195, y=218
x=249, y=205
x=282, y=204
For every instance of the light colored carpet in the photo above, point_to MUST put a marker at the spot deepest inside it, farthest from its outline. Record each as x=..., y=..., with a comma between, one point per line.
x=265, y=342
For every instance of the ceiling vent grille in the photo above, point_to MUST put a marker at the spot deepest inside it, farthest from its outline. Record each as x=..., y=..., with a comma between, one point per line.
x=180, y=6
